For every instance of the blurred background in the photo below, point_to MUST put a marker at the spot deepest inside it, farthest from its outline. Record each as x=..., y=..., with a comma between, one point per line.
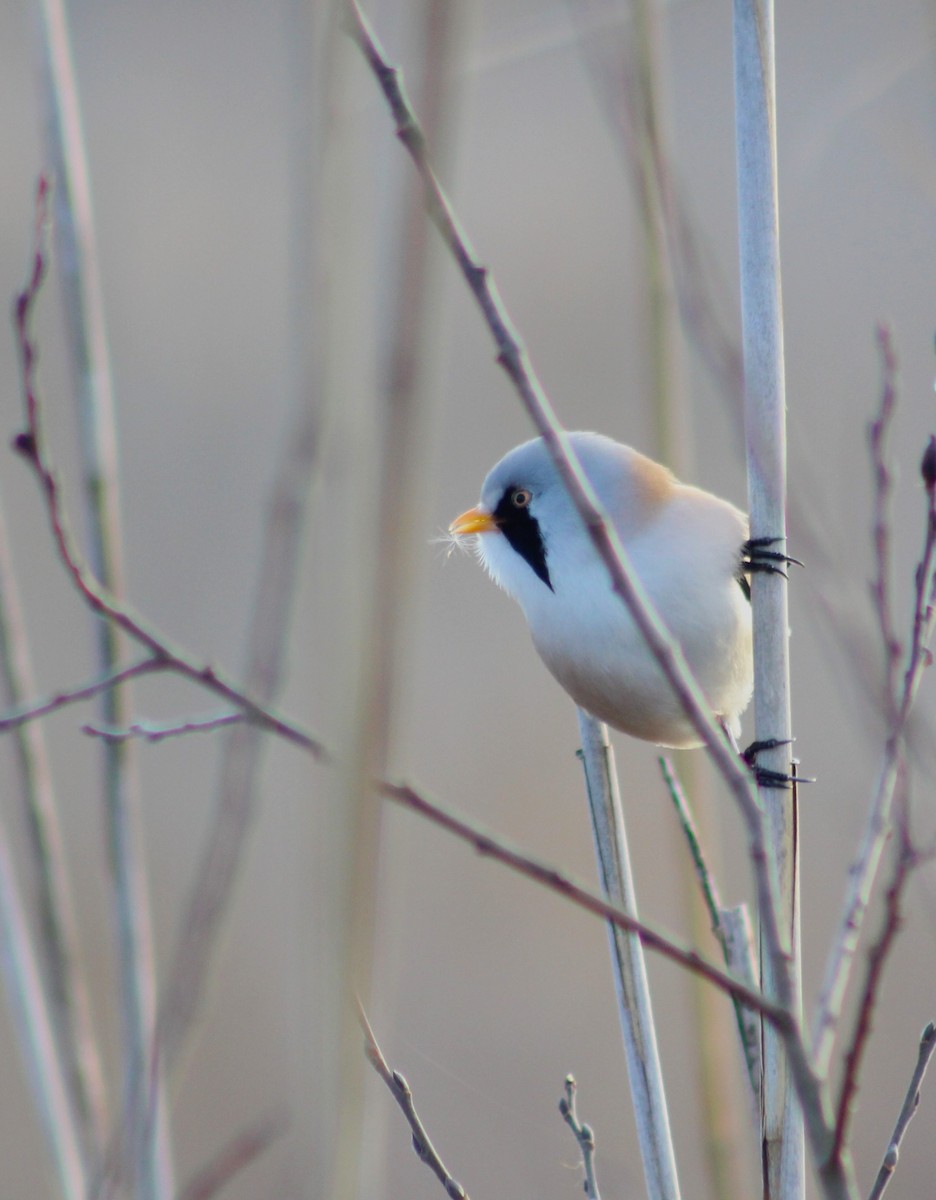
x=250, y=203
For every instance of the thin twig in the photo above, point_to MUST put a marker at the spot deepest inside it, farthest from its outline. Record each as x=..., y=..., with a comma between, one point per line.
x=401, y=1092
x=31, y=447
x=513, y=358
x=243, y=1149
x=714, y=907
x=742, y=963
x=878, y=952
x=907, y=1112
x=150, y=1157
x=24, y=713
x=703, y=874
x=863, y=873
x=878, y=435
x=584, y=1135
x=491, y=846
x=150, y=731
x=408, y=380
x=178, y=661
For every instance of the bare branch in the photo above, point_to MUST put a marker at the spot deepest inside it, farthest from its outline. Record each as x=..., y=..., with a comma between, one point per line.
x=491, y=846
x=31, y=445
x=907, y=1112
x=863, y=874
x=172, y=658
x=401, y=1092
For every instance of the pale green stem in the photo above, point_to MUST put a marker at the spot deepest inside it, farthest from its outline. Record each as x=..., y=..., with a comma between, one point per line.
x=149, y=1145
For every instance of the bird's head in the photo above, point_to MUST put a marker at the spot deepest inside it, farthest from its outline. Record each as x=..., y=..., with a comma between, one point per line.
x=525, y=525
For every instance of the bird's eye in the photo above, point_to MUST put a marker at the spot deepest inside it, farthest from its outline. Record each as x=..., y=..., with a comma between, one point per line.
x=521, y=498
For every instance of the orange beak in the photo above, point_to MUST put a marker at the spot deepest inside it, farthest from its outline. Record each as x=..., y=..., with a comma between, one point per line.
x=475, y=520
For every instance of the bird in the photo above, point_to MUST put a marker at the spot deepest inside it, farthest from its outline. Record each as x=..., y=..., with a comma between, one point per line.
x=689, y=548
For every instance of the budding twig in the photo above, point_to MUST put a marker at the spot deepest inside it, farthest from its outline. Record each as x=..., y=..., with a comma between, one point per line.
x=402, y=1093
x=907, y=1112
x=584, y=1135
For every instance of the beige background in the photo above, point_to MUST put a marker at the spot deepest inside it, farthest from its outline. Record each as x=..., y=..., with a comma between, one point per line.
x=487, y=991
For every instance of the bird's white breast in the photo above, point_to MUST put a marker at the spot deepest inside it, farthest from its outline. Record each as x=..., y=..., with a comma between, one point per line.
x=686, y=559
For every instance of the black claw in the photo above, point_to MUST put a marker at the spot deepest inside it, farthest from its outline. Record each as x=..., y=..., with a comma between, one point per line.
x=750, y=753
x=755, y=556
x=778, y=779
x=764, y=776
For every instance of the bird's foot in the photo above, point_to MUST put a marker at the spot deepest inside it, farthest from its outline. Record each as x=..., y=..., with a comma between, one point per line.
x=764, y=776
x=756, y=555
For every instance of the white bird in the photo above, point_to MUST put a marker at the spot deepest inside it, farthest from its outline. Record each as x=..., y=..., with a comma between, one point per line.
x=689, y=548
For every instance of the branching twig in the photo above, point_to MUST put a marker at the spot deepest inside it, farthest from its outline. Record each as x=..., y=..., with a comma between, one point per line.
x=170, y=657
x=584, y=1135
x=877, y=957
x=31, y=446
x=41, y=708
x=864, y=872
x=907, y=1112
x=400, y=1090
x=878, y=433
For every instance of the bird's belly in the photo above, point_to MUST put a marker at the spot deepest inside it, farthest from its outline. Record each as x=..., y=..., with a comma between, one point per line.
x=613, y=675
